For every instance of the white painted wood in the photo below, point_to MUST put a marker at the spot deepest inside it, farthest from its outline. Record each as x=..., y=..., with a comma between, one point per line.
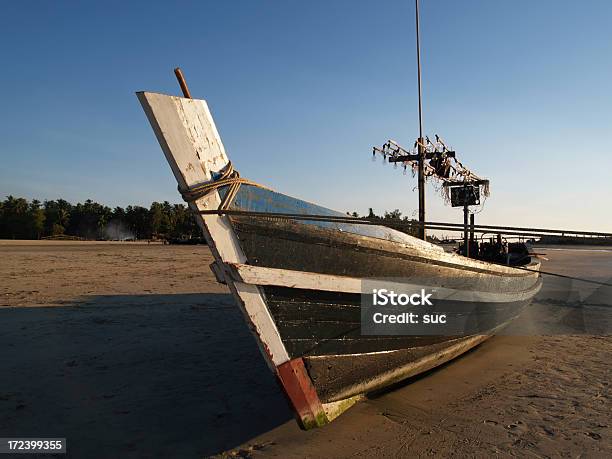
x=259, y=275
x=296, y=279
x=188, y=136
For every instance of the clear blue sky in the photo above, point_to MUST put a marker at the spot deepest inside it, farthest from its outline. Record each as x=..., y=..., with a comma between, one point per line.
x=301, y=90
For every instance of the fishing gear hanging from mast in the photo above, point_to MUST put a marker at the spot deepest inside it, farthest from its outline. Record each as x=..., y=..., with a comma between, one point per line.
x=440, y=163
x=460, y=186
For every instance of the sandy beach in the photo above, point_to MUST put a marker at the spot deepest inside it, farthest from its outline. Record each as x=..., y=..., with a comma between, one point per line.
x=133, y=350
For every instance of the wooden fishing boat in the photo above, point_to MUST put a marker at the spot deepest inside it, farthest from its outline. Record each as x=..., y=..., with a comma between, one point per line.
x=299, y=281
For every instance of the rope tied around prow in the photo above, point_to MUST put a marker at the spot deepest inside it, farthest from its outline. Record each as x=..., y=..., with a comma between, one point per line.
x=229, y=177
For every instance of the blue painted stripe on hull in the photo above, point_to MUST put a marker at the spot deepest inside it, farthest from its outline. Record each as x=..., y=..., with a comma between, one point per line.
x=255, y=199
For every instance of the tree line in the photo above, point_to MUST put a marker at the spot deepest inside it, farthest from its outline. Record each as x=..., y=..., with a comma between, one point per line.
x=23, y=219
x=394, y=220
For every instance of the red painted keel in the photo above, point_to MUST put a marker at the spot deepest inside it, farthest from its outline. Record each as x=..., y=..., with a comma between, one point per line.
x=298, y=387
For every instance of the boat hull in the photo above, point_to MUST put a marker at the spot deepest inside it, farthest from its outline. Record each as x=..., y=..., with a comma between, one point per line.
x=323, y=327
x=299, y=283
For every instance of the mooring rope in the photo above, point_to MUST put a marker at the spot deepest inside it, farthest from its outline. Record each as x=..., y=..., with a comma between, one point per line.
x=229, y=177
x=564, y=276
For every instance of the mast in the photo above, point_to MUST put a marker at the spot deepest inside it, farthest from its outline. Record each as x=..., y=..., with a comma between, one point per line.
x=458, y=178
x=420, y=145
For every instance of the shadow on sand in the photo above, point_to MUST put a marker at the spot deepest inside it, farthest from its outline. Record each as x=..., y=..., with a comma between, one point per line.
x=134, y=376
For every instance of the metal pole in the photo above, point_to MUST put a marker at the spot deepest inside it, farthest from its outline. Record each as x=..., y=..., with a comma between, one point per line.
x=466, y=245
x=466, y=212
x=472, y=234
x=421, y=150
x=472, y=227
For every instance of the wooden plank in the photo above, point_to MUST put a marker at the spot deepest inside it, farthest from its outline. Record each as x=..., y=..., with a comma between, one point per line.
x=260, y=275
x=283, y=310
x=294, y=279
x=188, y=136
x=340, y=252
x=361, y=374
x=357, y=346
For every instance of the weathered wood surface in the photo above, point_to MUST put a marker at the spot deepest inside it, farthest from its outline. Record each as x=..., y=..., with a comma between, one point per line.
x=368, y=237
x=299, y=247
x=302, y=393
x=318, y=323
x=341, y=377
x=260, y=275
x=188, y=136
x=256, y=199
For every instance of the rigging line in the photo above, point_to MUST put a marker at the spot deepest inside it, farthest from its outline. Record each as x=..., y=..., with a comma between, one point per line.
x=539, y=230
x=382, y=222
x=548, y=273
